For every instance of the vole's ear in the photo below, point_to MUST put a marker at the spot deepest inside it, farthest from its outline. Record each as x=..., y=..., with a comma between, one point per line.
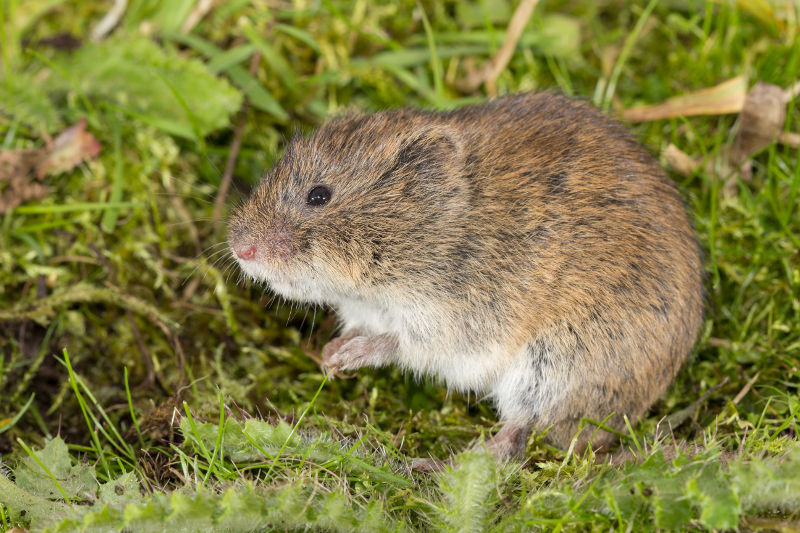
x=431, y=153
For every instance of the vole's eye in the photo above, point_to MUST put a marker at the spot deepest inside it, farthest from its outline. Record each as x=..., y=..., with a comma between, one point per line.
x=319, y=195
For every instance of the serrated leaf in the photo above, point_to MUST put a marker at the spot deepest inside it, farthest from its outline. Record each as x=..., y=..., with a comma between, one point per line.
x=768, y=485
x=147, y=516
x=671, y=508
x=257, y=95
x=76, y=481
x=120, y=491
x=236, y=445
x=106, y=518
x=468, y=492
x=191, y=512
x=36, y=509
x=146, y=81
x=336, y=513
x=28, y=103
x=242, y=510
x=719, y=506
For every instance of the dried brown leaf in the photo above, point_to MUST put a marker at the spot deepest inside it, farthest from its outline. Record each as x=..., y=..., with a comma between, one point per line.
x=760, y=122
x=727, y=97
x=72, y=146
x=21, y=171
x=680, y=161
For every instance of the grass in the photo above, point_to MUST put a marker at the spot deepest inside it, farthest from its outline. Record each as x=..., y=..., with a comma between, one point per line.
x=141, y=388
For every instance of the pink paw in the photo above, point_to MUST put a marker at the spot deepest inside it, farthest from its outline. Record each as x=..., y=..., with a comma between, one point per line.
x=357, y=352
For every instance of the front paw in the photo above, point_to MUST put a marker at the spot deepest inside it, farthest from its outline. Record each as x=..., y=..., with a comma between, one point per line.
x=333, y=346
x=358, y=352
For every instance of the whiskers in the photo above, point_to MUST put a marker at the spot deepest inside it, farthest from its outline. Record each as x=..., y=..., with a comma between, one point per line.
x=219, y=256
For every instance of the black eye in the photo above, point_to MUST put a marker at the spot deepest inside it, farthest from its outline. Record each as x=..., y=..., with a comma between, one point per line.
x=319, y=195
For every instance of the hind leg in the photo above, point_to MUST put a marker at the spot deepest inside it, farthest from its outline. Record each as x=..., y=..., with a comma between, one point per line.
x=510, y=441
x=562, y=433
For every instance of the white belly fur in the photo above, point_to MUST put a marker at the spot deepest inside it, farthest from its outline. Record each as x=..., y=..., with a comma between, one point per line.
x=427, y=349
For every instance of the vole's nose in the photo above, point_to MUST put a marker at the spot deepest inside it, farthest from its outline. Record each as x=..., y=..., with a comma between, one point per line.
x=246, y=252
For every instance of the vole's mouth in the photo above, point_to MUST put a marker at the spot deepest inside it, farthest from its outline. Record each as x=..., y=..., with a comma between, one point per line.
x=257, y=271
x=299, y=286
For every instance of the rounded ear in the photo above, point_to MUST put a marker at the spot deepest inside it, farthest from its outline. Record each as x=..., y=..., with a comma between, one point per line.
x=432, y=153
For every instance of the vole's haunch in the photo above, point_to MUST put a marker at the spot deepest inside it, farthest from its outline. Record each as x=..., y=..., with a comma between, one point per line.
x=527, y=249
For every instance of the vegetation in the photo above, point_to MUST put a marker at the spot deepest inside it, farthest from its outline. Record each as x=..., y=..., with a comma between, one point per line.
x=143, y=388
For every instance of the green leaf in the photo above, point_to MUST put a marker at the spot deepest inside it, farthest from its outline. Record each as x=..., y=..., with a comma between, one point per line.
x=477, y=14
x=191, y=512
x=223, y=61
x=27, y=102
x=769, y=485
x=671, y=508
x=257, y=95
x=77, y=481
x=468, y=491
x=300, y=35
x=160, y=87
x=120, y=491
x=719, y=506
x=36, y=509
x=277, y=63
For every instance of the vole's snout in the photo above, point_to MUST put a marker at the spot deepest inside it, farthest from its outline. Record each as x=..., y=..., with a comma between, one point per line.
x=273, y=248
x=246, y=253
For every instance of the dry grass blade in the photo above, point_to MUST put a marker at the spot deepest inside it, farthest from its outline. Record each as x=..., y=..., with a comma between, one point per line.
x=201, y=9
x=109, y=21
x=492, y=69
x=727, y=97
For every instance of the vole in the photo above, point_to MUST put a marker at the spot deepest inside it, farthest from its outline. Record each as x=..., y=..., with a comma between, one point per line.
x=528, y=250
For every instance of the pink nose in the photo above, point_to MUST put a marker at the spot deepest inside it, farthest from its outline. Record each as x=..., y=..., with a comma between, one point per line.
x=246, y=253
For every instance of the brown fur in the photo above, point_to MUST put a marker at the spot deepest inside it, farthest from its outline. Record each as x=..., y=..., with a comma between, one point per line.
x=532, y=224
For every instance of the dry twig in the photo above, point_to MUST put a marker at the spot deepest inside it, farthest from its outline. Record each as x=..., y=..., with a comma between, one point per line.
x=109, y=21
x=491, y=70
x=200, y=10
x=230, y=164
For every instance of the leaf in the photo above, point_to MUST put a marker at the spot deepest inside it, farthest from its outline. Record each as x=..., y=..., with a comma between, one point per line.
x=157, y=86
x=229, y=58
x=120, y=491
x=77, y=481
x=20, y=503
x=19, y=167
x=277, y=63
x=477, y=14
x=468, y=492
x=25, y=101
x=69, y=149
x=770, y=485
x=671, y=508
x=727, y=97
x=241, y=511
x=300, y=35
x=256, y=94
x=236, y=445
x=760, y=122
x=191, y=512
x=719, y=506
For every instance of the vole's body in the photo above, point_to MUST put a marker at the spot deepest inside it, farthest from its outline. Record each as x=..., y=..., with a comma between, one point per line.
x=527, y=249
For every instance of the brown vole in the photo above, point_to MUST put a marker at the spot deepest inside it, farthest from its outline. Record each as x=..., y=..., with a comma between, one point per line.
x=528, y=249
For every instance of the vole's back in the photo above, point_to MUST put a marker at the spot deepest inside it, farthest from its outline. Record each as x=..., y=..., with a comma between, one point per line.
x=583, y=228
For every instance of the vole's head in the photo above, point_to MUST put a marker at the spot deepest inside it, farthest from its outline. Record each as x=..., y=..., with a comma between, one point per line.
x=365, y=201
